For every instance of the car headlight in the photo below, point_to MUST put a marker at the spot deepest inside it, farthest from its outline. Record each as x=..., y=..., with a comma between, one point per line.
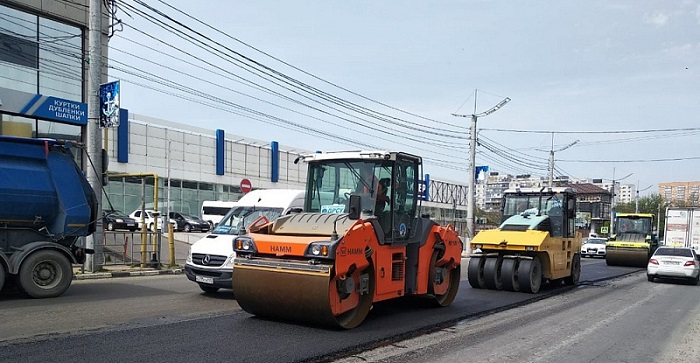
x=229, y=261
x=118, y=220
x=244, y=244
x=189, y=256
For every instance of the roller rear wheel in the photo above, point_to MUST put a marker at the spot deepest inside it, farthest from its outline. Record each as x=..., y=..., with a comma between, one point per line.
x=492, y=273
x=530, y=275
x=475, y=272
x=444, y=282
x=509, y=274
x=575, y=271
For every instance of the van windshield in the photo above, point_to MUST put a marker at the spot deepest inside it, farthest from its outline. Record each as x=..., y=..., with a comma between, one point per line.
x=234, y=221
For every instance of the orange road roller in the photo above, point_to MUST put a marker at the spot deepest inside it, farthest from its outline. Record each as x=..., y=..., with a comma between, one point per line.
x=359, y=241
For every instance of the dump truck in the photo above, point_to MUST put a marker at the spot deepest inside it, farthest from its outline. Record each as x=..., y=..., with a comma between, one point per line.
x=359, y=240
x=47, y=206
x=632, y=241
x=682, y=227
x=536, y=242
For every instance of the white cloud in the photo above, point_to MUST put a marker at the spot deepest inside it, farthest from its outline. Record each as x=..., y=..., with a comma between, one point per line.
x=658, y=18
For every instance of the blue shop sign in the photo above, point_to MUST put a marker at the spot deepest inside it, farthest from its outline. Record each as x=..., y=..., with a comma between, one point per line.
x=43, y=107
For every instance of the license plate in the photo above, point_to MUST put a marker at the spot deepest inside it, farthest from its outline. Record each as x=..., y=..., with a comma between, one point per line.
x=131, y=224
x=204, y=280
x=673, y=263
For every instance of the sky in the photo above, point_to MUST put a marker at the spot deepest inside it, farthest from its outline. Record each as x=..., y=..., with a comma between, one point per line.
x=620, y=80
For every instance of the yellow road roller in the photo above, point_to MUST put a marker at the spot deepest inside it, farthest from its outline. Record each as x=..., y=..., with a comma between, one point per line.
x=359, y=240
x=632, y=242
x=535, y=243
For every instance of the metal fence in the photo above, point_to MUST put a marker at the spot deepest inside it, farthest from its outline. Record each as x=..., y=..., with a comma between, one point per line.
x=131, y=248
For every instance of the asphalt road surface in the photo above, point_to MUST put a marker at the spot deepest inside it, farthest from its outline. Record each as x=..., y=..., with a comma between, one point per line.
x=623, y=320
x=167, y=318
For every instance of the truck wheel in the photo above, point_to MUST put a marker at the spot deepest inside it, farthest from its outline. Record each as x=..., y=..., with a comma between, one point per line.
x=208, y=289
x=45, y=273
x=530, y=275
x=572, y=280
x=492, y=273
x=475, y=272
x=509, y=274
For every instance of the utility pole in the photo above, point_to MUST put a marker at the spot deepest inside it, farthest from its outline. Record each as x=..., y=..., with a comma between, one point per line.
x=472, y=159
x=551, y=159
x=612, y=198
x=636, y=198
x=92, y=136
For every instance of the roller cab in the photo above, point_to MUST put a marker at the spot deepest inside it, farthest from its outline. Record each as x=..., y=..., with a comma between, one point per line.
x=353, y=246
x=535, y=243
x=632, y=242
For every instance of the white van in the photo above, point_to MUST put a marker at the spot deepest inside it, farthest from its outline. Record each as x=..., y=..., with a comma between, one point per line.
x=214, y=210
x=210, y=260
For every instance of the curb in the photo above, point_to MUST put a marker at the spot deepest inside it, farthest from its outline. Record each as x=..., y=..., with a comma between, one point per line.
x=103, y=275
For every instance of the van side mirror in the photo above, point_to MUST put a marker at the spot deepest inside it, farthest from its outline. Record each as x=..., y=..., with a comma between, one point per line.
x=354, y=207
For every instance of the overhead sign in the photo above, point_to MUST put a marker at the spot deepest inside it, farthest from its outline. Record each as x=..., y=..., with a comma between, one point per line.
x=43, y=107
x=246, y=186
x=109, y=104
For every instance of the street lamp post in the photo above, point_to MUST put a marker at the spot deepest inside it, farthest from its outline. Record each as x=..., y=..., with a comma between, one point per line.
x=636, y=197
x=612, y=197
x=551, y=158
x=472, y=159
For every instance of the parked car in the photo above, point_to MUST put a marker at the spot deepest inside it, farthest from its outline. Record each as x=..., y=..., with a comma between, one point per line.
x=674, y=262
x=187, y=222
x=114, y=219
x=152, y=218
x=593, y=246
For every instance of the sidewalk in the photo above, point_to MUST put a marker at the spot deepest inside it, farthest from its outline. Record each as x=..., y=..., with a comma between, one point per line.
x=125, y=271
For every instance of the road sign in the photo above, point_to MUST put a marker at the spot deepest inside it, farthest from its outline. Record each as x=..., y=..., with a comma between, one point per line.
x=246, y=186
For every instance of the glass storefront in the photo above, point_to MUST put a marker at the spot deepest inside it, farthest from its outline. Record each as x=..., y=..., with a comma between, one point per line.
x=40, y=56
x=127, y=193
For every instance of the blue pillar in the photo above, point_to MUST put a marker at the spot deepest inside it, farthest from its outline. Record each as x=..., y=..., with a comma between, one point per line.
x=426, y=191
x=220, y=154
x=123, y=136
x=275, y=162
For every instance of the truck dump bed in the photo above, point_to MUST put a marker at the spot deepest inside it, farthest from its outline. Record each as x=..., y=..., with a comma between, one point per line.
x=43, y=190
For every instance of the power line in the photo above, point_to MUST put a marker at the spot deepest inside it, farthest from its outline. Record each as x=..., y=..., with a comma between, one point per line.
x=632, y=161
x=305, y=72
x=592, y=132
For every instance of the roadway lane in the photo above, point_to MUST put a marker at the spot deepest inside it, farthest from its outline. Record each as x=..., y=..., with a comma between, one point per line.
x=192, y=328
x=624, y=320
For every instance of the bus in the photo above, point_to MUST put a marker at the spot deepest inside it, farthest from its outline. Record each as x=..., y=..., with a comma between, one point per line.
x=214, y=210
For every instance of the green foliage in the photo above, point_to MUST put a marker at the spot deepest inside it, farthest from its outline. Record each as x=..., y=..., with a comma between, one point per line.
x=653, y=204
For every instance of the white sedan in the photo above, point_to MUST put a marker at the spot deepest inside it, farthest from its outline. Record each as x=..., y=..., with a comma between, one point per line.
x=674, y=262
x=593, y=247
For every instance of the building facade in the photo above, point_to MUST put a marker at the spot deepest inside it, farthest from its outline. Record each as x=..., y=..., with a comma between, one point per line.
x=681, y=193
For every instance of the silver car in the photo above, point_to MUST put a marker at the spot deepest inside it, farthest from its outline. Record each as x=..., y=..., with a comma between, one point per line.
x=675, y=263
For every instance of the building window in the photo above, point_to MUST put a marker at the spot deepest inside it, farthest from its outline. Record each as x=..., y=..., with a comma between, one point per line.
x=39, y=55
